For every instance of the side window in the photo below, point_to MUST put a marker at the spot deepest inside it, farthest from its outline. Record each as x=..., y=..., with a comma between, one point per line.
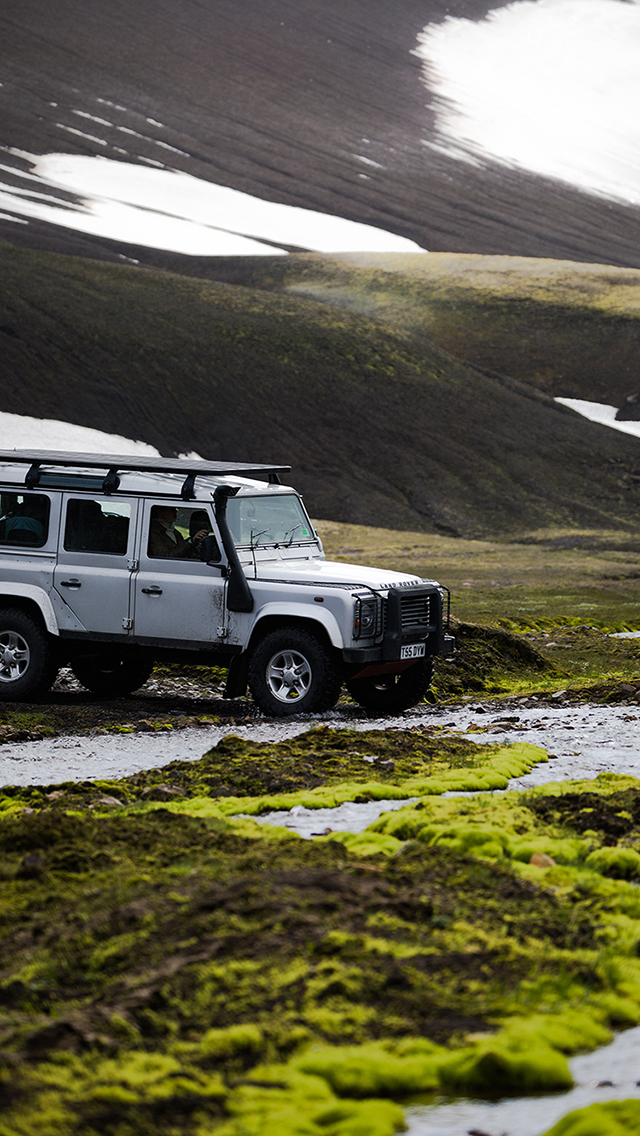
x=24, y=519
x=97, y=526
x=176, y=533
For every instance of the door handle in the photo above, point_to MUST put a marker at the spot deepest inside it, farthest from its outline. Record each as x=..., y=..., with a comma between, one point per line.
x=154, y=590
x=70, y=583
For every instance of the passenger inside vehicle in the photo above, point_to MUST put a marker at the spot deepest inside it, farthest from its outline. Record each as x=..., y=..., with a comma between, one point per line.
x=166, y=541
x=24, y=519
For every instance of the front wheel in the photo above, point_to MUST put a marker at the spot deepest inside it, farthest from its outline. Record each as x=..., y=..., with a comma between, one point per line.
x=28, y=663
x=293, y=672
x=393, y=693
x=112, y=673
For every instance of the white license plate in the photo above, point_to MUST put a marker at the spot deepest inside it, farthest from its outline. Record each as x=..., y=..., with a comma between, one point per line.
x=412, y=651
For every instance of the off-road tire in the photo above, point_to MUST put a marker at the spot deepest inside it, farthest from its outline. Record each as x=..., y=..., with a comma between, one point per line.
x=28, y=662
x=288, y=657
x=393, y=693
x=112, y=673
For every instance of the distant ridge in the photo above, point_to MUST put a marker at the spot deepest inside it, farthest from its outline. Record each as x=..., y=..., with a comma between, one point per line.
x=379, y=425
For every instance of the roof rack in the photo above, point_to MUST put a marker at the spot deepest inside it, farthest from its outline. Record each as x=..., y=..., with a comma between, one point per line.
x=123, y=463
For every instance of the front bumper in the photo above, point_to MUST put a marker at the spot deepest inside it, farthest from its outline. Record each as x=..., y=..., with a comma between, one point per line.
x=412, y=615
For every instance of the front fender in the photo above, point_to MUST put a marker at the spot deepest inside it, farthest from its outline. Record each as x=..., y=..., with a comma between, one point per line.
x=37, y=596
x=315, y=614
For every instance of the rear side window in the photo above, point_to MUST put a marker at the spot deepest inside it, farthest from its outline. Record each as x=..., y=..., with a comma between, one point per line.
x=97, y=526
x=24, y=519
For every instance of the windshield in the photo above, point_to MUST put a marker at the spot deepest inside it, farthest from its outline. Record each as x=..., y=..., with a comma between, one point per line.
x=268, y=520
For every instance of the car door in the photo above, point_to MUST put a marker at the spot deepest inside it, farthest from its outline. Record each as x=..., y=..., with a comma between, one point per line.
x=178, y=599
x=95, y=563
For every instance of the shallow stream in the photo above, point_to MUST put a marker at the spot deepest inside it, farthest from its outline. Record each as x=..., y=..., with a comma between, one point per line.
x=581, y=741
x=610, y=1073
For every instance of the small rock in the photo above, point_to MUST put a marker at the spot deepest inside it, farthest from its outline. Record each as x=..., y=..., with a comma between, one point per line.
x=32, y=865
x=626, y=688
x=144, y=726
x=28, y=811
x=55, y=795
x=541, y=860
x=111, y=802
x=605, y=1084
x=161, y=792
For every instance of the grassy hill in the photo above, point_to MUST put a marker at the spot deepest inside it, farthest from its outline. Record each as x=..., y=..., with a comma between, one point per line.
x=380, y=425
x=569, y=329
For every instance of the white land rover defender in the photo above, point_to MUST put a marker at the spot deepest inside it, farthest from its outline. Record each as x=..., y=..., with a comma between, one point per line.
x=111, y=563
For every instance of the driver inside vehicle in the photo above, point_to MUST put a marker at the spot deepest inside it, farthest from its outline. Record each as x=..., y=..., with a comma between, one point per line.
x=166, y=541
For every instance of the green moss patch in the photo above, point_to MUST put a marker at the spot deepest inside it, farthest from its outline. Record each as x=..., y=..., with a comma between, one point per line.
x=160, y=970
x=617, y=1118
x=170, y=970
x=163, y=971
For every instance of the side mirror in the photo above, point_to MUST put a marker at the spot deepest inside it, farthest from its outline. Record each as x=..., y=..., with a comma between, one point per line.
x=209, y=550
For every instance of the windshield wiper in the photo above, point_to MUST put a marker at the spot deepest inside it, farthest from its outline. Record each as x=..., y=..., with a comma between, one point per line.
x=294, y=529
x=256, y=537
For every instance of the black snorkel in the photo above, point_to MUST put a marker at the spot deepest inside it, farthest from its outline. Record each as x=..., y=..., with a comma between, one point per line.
x=239, y=596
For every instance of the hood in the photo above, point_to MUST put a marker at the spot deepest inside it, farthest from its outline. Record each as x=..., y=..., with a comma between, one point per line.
x=327, y=572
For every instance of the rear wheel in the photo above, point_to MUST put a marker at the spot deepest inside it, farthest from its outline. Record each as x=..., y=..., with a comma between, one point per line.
x=28, y=662
x=393, y=693
x=112, y=673
x=292, y=672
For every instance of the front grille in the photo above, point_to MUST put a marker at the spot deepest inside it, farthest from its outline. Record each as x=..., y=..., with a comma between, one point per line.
x=415, y=611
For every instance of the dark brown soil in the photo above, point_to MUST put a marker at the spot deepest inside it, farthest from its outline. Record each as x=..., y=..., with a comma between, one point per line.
x=245, y=903
x=614, y=816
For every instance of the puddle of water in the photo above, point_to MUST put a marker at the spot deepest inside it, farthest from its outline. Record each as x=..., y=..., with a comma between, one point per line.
x=348, y=817
x=618, y=1062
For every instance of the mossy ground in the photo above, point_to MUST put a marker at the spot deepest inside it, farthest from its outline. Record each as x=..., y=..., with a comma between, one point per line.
x=563, y=592
x=169, y=969
x=172, y=970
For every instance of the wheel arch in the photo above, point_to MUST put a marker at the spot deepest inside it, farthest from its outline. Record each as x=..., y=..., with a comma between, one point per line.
x=276, y=620
x=33, y=601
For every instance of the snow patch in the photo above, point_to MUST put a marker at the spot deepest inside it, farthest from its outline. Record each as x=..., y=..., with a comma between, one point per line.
x=167, y=209
x=551, y=86
x=601, y=413
x=19, y=432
